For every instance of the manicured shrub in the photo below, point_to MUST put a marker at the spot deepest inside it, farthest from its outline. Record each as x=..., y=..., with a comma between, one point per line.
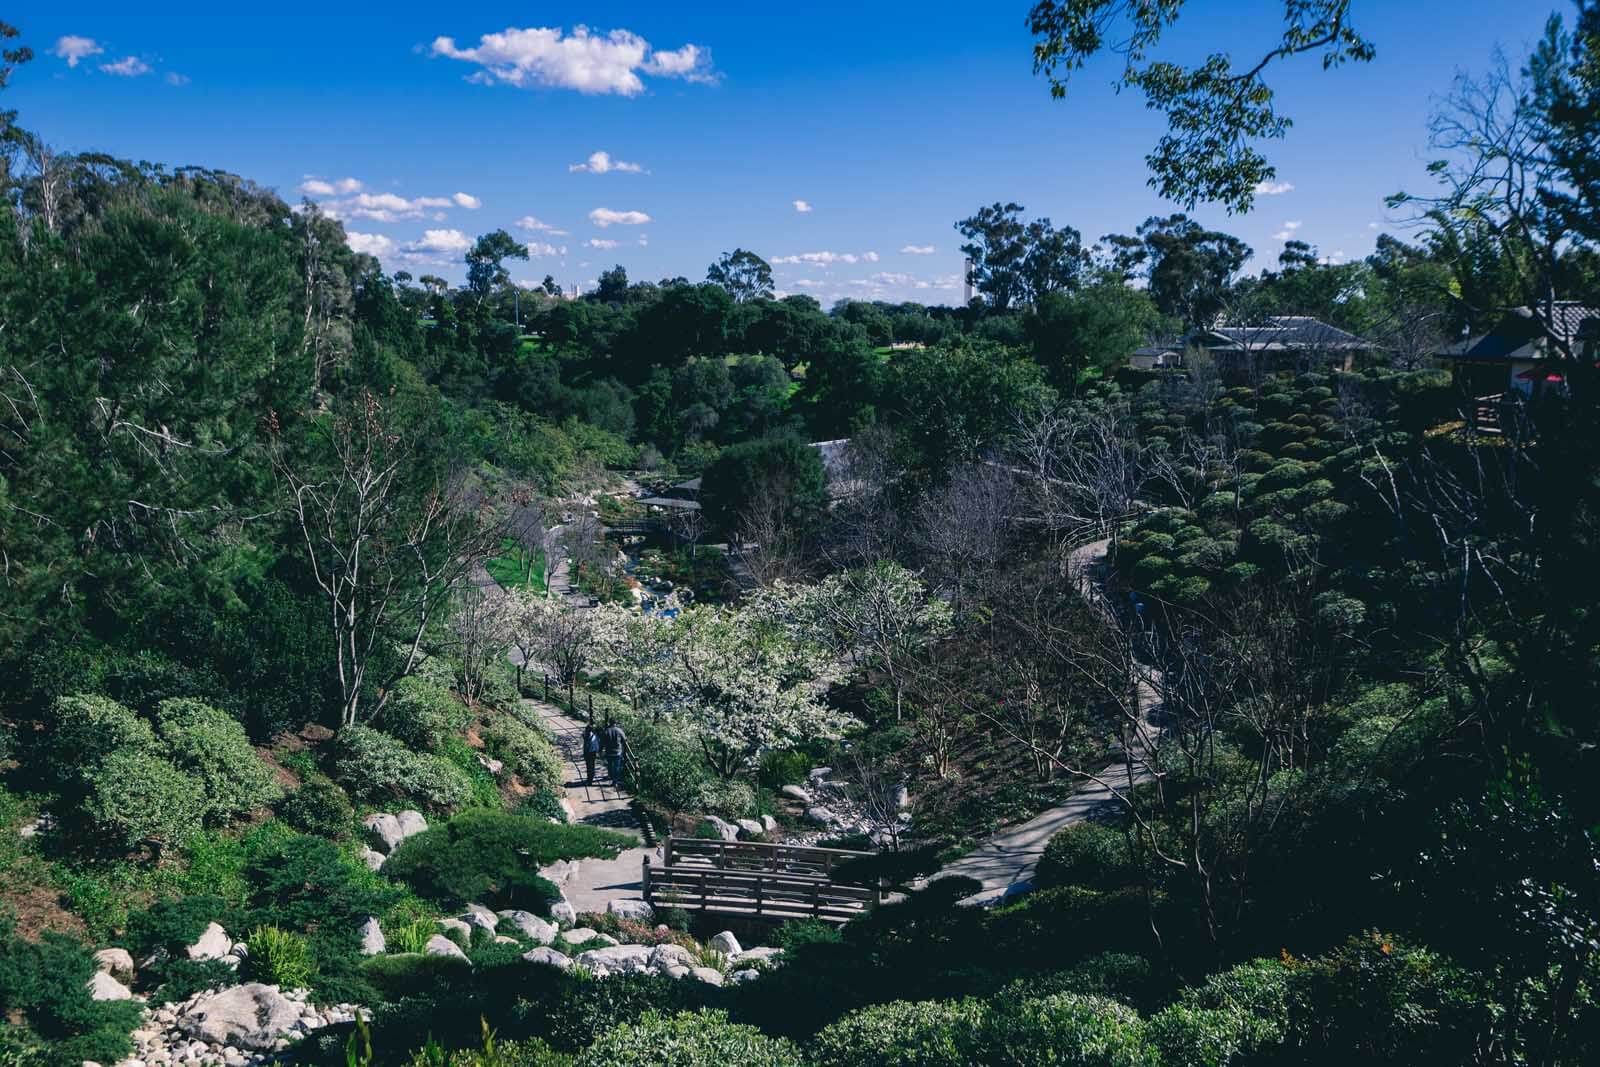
x=422, y=712
x=280, y=958
x=137, y=797
x=85, y=729
x=319, y=807
x=573, y=1011
x=544, y=804
x=902, y=1033
x=406, y=974
x=689, y=1039
x=494, y=857
x=483, y=790
x=306, y=885
x=1068, y=1030
x=1088, y=854
x=797, y=932
x=44, y=984
x=377, y=767
x=731, y=799
x=527, y=751
x=1122, y=975
x=210, y=746
x=168, y=925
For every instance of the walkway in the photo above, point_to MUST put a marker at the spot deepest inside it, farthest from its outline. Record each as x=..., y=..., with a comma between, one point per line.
x=1010, y=857
x=598, y=881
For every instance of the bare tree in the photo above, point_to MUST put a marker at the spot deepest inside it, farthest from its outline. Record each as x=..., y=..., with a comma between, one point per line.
x=1084, y=466
x=766, y=541
x=965, y=525
x=687, y=525
x=867, y=523
x=564, y=639
x=482, y=628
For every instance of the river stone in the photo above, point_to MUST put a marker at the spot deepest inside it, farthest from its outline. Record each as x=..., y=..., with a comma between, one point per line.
x=549, y=957
x=372, y=858
x=725, y=943
x=794, y=792
x=531, y=926
x=114, y=961
x=386, y=828
x=372, y=939
x=440, y=945
x=212, y=945
x=751, y=827
x=411, y=823
x=707, y=975
x=564, y=913
x=617, y=959
x=726, y=830
x=104, y=987
x=247, y=1016
x=637, y=910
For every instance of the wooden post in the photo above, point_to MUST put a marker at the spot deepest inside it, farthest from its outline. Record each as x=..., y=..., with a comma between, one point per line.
x=591, y=707
x=760, y=882
x=547, y=689
x=644, y=881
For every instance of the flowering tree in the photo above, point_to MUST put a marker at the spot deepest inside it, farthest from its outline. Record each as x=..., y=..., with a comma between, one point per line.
x=561, y=638
x=879, y=615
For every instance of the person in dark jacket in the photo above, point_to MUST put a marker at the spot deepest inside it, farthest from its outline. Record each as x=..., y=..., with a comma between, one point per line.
x=615, y=743
x=591, y=749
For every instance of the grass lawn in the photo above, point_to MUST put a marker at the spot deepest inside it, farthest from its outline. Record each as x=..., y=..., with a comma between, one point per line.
x=507, y=567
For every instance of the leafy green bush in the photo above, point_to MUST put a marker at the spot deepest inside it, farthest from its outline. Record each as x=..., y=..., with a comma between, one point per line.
x=527, y=751
x=1122, y=975
x=45, y=985
x=318, y=807
x=1067, y=1029
x=927, y=1033
x=179, y=977
x=531, y=1052
x=306, y=885
x=168, y=925
x=729, y=798
x=280, y=958
x=495, y=857
x=85, y=729
x=688, y=1039
x=1087, y=854
x=136, y=796
x=377, y=767
x=671, y=767
x=211, y=746
x=409, y=973
x=783, y=767
x=423, y=712
x=796, y=932
x=483, y=788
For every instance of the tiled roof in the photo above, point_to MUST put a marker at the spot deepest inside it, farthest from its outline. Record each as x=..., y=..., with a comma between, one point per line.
x=1284, y=333
x=1520, y=334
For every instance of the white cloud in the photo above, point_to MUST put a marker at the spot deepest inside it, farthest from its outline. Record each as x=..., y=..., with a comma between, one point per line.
x=172, y=77
x=314, y=186
x=808, y=283
x=538, y=249
x=441, y=241
x=918, y=250
x=870, y=257
x=467, y=200
x=602, y=163
x=74, y=49
x=604, y=216
x=581, y=60
x=127, y=67
x=802, y=206
x=373, y=244
x=1271, y=188
x=1287, y=232
x=1372, y=225
x=828, y=258
x=600, y=242
x=533, y=225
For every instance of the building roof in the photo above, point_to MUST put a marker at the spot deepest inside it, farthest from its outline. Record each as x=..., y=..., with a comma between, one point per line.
x=1520, y=334
x=671, y=503
x=1283, y=333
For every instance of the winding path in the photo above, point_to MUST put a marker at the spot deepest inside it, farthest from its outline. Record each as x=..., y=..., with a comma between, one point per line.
x=1009, y=858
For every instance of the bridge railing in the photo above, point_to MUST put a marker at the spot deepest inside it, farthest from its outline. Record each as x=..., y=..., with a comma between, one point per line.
x=757, y=856
x=757, y=880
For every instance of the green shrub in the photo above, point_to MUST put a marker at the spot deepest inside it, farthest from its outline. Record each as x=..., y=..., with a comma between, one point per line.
x=422, y=713
x=1070, y=1030
x=1087, y=854
x=494, y=857
x=85, y=729
x=527, y=751
x=544, y=804
x=531, y=1052
x=280, y=958
x=1122, y=975
x=45, y=985
x=796, y=932
x=137, y=797
x=169, y=925
x=179, y=978
x=377, y=767
x=483, y=788
x=927, y=1033
x=784, y=767
x=671, y=767
x=211, y=746
x=318, y=807
x=410, y=973
x=689, y=1039
x=729, y=798
x=305, y=884
x=1203, y=1037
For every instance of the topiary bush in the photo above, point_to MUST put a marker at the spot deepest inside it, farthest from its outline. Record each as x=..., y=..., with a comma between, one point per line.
x=318, y=807
x=82, y=730
x=1088, y=854
x=927, y=1033
x=422, y=713
x=378, y=768
x=211, y=746
x=136, y=797
x=494, y=857
x=688, y=1039
x=527, y=751
x=1068, y=1030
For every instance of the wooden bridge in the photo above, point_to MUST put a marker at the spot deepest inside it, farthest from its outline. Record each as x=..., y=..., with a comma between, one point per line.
x=756, y=880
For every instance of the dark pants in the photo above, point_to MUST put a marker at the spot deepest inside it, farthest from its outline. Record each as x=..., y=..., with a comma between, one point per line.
x=615, y=760
x=588, y=762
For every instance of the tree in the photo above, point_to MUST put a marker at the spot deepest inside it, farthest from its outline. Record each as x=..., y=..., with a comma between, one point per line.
x=743, y=472
x=745, y=275
x=1075, y=334
x=881, y=615
x=1189, y=267
x=549, y=285
x=1215, y=113
x=997, y=248
x=485, y=262
x=481, y=624
x=561, y=637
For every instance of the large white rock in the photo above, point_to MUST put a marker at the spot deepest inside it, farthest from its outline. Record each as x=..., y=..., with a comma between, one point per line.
x=213, y=944
x=456, y=926
x=548, y=957
x=250, y=1016
x=751, y=955
x=531, y=926
x=560, y=872
x=768, y=824
x=386, y=828
x=617, y=959
x=373, y=942
x=440, y=945
x=372, y=858
x=116, y=962
x=707, y=975
x=104, y=987
x=818, y=774
x=564, y=913
x=481, y=917
x=751, y=827
x=726, y=944
x=794, y=792
x=411, y=823
x=726, y=830
x=636, y=910
x=669, y=955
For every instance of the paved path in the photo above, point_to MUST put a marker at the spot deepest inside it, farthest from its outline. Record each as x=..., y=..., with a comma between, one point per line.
x=1010, y=857
x=600, y=804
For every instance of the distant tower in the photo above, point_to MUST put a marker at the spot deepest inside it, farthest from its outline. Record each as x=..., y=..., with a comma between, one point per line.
x=966, y=282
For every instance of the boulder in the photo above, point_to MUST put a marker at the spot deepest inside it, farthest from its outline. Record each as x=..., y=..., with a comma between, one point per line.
x=386, y=828
x=726, y=830
x=104, y=987
x=794, y=792
x=726, y=944
x=564, y=913
x=116, y=962
x=560, y=872
x=603, y=939
x=440, y=945
x=675, y=970
x=821, y=815
x=617, y=959
x=751, y=828
x=768, y=824
x=411, y=823
x=372, y=858
x=373, y=942
x=531, y=926
x=707, y=975
x=579, y=934
x=549, y=957
x=456, y=926
x=490, y=764
x=818, y=774
x=480, y=916
x=664, y=956
x=502, y=939
x=745, y=975
x=213, y=944
x=637, y=910
x=247, y=1016
x=765, y=955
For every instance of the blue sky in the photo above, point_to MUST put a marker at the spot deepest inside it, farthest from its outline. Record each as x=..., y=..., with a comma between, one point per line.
x=888, y=120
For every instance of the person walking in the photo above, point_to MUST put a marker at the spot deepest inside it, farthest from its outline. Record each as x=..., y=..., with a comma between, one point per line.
x=615, y=743
x=591, y=749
